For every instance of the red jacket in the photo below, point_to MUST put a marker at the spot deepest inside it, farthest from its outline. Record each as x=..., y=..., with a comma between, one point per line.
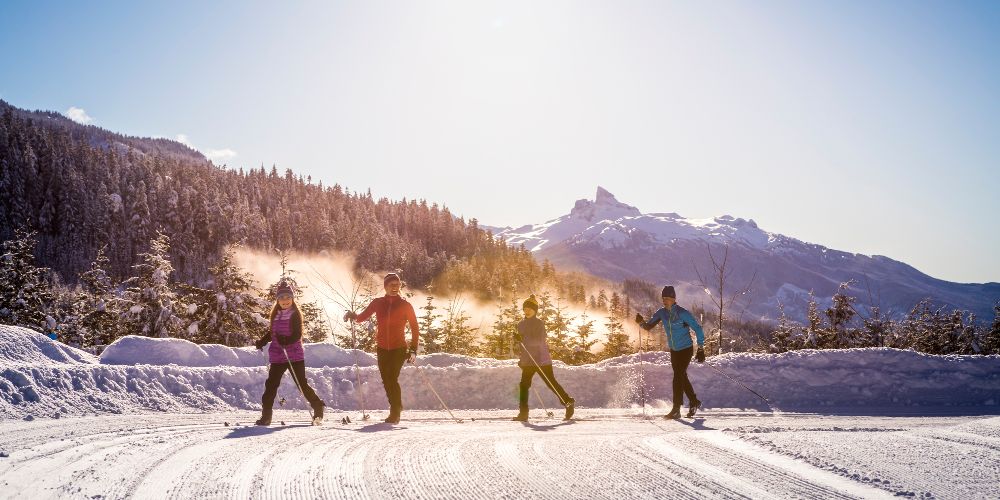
x=392, y=313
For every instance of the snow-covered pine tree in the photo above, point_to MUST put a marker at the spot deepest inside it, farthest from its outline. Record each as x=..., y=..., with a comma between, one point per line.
x=813, y=330
x=459, y=336
x=617, y=343
x=499, y=344
x=839, y=316
x=430, y=333
x=581, y=343
x=991, y=339
x=783, y=336
x=98, y=303
x=553, y=315
x=151, y=300
x=231, y=310
x=25, y=295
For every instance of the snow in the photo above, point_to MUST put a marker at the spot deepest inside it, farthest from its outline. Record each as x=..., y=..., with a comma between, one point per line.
x=146, y=419
x=601, y=455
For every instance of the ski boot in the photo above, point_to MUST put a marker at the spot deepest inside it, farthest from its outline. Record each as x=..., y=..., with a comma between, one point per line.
x=317, y=408
x=693, y=408
x=393, y=417
x=569, y=409
x=522, y=416
x=265, y=419
x=674, y=414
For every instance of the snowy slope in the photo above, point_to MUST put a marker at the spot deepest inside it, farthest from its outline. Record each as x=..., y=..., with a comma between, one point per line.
x=614, y=240
x=138, y=374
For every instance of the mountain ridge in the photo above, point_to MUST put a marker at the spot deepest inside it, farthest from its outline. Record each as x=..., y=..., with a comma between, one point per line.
x=614, y=240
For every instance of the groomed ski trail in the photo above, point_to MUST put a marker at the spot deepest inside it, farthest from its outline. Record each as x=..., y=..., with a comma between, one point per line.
x=604, y=454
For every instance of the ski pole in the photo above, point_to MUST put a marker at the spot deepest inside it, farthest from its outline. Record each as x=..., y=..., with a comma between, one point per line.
x=428, y=382
x=542, y=403
x=295, y=377
x=741, y=384
x=357, y=370
x=544, y=376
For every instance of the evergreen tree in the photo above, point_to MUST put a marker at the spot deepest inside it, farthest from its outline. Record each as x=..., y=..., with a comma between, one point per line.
x=582, y=343
x=430, y=334
x=556, y=323
x=231, y=311
x=459, y=336
x=839, y=316
x=618, y=343
x=499, y=344
x=784, y=332
x=991, y=340
x=813, y=329
x=99, y=304
x=25, y=295
x=152, y=301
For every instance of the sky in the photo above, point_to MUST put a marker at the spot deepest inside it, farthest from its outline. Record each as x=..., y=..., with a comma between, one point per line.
x=868, y=127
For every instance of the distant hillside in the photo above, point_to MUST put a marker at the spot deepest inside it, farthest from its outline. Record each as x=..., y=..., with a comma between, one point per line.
x=82, y=187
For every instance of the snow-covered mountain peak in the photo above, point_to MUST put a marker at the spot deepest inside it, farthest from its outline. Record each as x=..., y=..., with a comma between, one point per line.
x=604, y=207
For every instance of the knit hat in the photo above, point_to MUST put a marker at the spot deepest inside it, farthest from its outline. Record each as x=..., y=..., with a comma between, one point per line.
x=284, y=288
x=531, y=302
x=668, y=291
x=391, y=277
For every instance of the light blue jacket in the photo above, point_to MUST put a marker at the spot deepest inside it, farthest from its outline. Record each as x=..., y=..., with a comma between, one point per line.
x=676, y=324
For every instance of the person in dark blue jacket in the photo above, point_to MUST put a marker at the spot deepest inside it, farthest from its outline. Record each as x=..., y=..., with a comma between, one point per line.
x=677, y=324
x=533, y=350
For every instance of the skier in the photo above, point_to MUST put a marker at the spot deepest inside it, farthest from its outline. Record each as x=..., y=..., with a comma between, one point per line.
x=534, y=358
x=676, y=323
x=285, y=336
x=392, y=313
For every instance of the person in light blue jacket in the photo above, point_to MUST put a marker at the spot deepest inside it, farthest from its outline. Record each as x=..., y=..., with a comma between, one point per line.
x=677, y=325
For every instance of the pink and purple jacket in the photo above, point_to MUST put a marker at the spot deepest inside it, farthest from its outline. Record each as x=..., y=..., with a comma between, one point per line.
x=286, y=331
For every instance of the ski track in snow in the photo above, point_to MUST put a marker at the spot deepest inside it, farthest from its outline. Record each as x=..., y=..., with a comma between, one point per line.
x=603, y=454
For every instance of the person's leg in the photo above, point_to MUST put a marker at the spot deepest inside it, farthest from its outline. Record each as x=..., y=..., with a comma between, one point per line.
x=676, y=362
x=550, y=380
x=527, y=373
x=398, y=360
x=684, y=360
x=299, y=368
x=384, y=363
x=274, y=372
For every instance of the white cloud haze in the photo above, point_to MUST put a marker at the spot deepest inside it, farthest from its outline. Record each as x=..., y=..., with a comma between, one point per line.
x=78, y=115
x=215, y=155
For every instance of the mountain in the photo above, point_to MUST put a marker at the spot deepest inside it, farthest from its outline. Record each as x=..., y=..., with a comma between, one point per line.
x=614, y=240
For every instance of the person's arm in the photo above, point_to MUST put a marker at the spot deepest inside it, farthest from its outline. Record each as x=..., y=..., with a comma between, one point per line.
x=296, y=326
x=367, y=313
x=411, y=317
x=652, y=321
x=693, y=323
x=263, y=340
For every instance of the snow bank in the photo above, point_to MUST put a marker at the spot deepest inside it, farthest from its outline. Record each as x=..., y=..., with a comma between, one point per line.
x=22, y=345
x=42, y=378
x=135, y=350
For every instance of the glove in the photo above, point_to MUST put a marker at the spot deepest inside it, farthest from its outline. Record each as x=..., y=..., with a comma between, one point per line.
x=638, y=318
x=517, y=338
x=260, y=344
x=350, y=316
x=700, y=356
x=412, y=355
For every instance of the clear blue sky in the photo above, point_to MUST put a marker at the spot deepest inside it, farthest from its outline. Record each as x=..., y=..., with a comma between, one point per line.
x=870, y=127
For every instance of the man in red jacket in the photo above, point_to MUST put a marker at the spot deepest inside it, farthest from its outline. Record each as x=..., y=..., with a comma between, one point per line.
x=392, y=313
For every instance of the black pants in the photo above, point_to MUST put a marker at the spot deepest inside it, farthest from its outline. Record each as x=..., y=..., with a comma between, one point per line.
x=390, y=362
x=528, y=373
x=274, y=374
x=680, y=360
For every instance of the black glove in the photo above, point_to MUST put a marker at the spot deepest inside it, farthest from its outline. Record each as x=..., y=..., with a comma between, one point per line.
x=638, y=318
x=350, y=315
x=700, y=356
x=260, y=344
